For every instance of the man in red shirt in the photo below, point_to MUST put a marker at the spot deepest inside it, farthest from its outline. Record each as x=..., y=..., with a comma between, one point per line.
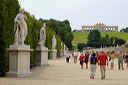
x=102, y=61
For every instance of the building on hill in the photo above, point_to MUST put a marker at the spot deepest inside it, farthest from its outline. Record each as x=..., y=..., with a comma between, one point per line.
x=100, y=27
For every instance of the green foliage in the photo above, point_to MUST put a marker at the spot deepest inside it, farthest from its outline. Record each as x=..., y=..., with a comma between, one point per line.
x=68, y=39
x=62, y=29
x=80, y=46
x=81, y=37
x=10, y=10
x=118, y=41
x=2, y=44
x=124, y=30
x=94, y=39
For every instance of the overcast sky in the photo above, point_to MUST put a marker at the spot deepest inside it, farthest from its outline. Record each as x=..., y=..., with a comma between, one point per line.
x=80, y=12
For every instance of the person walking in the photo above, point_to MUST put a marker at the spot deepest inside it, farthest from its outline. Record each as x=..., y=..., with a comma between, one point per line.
x=86, y=59
x=111, y=59
x=120, y=60
x=126, y=59
x=93, y=61
x=75, y=56
x=81, y=58
x=102, y=61
x=67, y=57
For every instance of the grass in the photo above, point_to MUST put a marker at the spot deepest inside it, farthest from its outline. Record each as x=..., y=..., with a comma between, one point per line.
x=81, y=37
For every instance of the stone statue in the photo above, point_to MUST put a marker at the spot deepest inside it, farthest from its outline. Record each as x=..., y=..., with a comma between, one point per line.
x=53, y=42
x=20, y=28
x=42, y=36
x=61, y=45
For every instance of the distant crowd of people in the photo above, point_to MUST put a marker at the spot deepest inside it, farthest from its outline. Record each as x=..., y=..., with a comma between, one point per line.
x=101, y=59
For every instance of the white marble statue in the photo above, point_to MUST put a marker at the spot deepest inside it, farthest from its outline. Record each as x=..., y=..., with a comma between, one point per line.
x=61, y=45
x=20, y=28
x=53, y=42
x=42, y=36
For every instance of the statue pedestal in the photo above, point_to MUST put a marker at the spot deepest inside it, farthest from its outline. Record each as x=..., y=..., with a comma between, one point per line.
x=62, y=53
x=42, y=56
x=19, y=60
x=53, y=54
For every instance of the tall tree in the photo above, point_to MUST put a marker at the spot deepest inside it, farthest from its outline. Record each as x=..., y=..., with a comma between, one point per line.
x=94, y=39
x=10, y=10
x=2, y=43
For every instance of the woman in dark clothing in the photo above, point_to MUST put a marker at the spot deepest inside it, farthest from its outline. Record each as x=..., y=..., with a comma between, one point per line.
x=86, y=59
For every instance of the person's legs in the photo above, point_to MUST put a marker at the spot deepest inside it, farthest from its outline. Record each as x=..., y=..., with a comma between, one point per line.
x=112, y=65
x=91, y=69
x=127, y=65
x=104, y=70
x=75, y=59
x=94, y=70
x=122, y=65
x=101, y=71
x=86, y=65
x=81, y=63
x=118, y=64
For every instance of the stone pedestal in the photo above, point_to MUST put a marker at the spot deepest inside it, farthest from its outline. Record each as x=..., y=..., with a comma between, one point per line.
x=62, y=53
x=42, y=56
x=53, y=54
x=19, y=60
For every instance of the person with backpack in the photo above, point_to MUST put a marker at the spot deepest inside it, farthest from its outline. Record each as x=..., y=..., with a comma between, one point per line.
x=93, y=61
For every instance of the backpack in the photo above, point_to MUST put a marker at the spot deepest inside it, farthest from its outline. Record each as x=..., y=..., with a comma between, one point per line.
x=93, y=60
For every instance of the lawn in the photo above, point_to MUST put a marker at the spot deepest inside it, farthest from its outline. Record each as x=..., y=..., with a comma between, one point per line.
x=81, y=37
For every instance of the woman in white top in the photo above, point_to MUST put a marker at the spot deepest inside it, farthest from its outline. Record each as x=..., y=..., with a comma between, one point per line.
x=112, y=60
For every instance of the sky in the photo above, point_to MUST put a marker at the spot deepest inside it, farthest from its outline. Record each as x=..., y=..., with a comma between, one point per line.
x=80, y=12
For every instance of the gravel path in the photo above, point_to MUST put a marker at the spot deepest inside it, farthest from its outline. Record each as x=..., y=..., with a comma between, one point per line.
x=60, y=73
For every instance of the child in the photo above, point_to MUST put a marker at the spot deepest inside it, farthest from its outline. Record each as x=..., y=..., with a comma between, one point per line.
x=93, y=61
x=81, y=60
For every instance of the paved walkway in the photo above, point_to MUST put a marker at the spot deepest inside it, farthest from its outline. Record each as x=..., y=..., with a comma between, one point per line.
x=60, y=73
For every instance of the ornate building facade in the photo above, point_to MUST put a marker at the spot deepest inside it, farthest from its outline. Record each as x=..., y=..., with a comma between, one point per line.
x=100, y=27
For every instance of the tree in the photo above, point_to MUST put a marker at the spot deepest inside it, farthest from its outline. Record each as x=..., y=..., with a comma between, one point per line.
x=62, y=29
x=94, y=39
x=80, y=46
x=10, y=10
x=2, y=43
x=118, y=41
x=107, y=41
x=124, y=30
x=68, y=39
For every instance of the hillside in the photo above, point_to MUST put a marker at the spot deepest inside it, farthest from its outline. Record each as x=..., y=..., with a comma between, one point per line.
x=81, y=37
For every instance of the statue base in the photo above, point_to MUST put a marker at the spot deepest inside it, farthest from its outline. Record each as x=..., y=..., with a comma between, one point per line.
x=53, y=54
x=42, y=56
x=62, y=53
x=19, y=60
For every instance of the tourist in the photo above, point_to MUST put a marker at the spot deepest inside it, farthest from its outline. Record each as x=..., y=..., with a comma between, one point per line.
x=81, y=58
x=75, y=54
x=86, y=59
x=93, y=61
x=102, y=61
x=120, y=60
x=67, y=57
x=111, y=59
x=126, y=59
